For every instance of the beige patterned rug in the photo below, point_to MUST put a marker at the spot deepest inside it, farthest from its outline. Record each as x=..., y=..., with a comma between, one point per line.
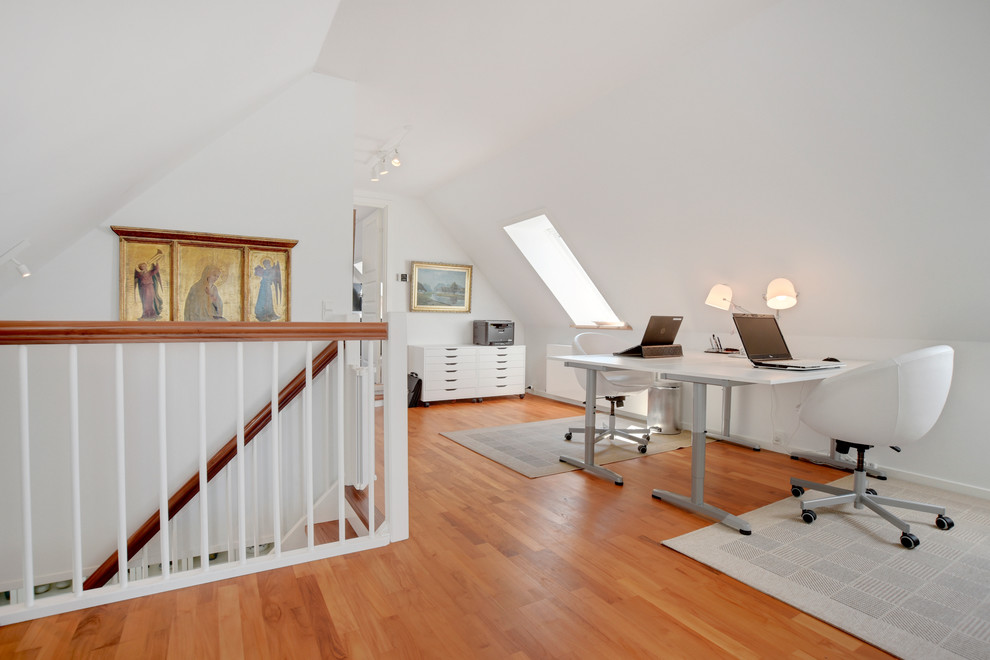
x=849, y=569
x=534, y=449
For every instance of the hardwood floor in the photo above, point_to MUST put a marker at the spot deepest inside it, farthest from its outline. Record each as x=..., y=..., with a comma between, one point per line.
x=497, y=566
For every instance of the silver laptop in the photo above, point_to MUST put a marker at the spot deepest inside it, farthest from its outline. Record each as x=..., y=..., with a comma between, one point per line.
x=660, y=331
x=765, y=346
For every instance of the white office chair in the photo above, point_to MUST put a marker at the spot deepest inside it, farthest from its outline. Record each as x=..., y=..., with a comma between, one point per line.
x=613, y=386
x=891, y=402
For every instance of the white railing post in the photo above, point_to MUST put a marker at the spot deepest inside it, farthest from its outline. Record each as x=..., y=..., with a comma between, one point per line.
x=121, y=469
x=162, y=466
x=77, y=579
x=27, y=545
x=204, y=526
x=396, y=449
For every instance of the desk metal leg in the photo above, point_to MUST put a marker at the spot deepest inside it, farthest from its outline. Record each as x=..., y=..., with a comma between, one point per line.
x=590, y=431
x=724, y=436
x=696, y=503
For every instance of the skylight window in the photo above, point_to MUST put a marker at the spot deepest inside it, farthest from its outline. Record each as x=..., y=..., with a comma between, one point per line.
x=557, y=266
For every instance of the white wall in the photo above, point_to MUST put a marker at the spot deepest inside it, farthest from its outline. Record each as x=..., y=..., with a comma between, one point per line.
x=414, y=234
x=838, y=143
x=283, y=172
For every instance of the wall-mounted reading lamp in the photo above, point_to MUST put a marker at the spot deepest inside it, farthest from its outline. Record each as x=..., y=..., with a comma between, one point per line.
x=781, y=294
x=13, y=252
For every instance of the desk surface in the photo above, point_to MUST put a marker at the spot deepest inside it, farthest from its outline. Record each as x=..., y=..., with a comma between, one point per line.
x=703, y=367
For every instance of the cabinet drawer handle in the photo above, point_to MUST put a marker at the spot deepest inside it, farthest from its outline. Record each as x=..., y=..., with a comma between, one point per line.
x=501, y=368
x=501, y=377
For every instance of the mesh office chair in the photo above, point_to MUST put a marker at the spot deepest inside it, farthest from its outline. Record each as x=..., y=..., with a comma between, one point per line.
x=891, y=402
x=613, y=386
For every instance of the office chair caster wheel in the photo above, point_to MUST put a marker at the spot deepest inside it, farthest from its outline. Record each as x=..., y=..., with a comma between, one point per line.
x=809, y=516
x=568, y=436
x=944, y=522
x=909, y=541
x=797, y=491
x=642, y=449
x=870, y=491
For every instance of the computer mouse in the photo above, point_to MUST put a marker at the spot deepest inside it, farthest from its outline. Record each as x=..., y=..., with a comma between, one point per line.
x=830, y=359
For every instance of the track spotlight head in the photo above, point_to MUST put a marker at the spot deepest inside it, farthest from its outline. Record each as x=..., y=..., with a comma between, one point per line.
x=382, y=166
x=395, y=159
x=374, y=173
x=22, y=268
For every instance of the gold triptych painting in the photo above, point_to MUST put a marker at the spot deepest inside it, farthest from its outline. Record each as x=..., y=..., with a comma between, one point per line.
x=189, y=276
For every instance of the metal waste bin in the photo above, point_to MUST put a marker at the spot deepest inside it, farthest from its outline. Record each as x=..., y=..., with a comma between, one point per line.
x=664, y=407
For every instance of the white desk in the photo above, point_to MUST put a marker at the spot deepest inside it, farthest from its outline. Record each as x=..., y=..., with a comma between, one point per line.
x=701, y=370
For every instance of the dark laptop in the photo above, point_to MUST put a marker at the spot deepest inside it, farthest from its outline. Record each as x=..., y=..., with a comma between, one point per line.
x=765, y=346
x=660, y=331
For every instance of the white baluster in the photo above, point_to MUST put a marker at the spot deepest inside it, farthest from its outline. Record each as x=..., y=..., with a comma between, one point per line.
x=276, y=469
x=254, y=496
x=241, y=498
x=26, y=480
x=339, y=438
x=162, y=465
x=122, y=571
x=204, y=522
x=308, y=444
x=366, y=399
x=77, y=579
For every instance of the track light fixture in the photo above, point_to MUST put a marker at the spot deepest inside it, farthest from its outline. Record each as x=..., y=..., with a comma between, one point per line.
x=386, y=156
x=13, y=252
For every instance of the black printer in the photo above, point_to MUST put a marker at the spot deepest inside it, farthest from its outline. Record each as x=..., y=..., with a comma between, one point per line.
x=494, y=333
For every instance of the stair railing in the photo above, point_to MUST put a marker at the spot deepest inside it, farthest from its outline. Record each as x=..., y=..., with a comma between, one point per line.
x=343, y=443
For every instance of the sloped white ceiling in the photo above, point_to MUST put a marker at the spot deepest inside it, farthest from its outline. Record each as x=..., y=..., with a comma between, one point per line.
x=101, y=98
x=472, y=79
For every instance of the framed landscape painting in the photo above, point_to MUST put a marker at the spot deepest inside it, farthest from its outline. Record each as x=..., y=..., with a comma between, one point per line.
x=440, y=287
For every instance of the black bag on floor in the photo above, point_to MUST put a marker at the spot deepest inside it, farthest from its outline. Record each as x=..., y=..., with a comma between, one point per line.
x=415, y=384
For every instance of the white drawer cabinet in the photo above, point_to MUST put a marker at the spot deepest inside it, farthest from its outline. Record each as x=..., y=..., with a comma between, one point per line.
x=469, y=372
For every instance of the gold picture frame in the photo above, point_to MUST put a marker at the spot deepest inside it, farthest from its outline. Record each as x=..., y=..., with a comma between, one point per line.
x=440, y=287
x=199, y=277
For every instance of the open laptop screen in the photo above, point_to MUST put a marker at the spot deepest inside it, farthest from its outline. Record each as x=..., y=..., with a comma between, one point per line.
x=661, y=330
x=761, y=337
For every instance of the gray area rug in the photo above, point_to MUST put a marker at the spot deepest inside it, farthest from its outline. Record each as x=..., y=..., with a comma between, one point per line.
x=534, y=449
x=849, y=569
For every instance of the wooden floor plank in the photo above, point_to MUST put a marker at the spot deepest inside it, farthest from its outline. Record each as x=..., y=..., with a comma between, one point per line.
x=497, y=566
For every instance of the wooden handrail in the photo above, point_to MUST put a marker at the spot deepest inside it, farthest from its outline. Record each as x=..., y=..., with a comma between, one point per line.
x=218, y=462
x=130, y=332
